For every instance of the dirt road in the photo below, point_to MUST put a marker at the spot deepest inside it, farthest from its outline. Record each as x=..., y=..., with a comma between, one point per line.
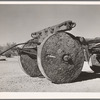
x=13, y=79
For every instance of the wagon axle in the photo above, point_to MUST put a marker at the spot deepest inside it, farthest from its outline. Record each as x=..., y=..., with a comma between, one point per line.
x=66, y=58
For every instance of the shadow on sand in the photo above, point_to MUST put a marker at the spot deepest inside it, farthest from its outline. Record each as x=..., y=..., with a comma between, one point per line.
x=84, y=76
x=87, y=76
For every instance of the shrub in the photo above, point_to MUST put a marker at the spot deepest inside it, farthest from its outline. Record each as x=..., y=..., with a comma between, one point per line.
x=11, y=52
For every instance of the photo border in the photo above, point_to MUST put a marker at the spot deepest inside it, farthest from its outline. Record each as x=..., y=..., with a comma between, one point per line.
x=51, y=95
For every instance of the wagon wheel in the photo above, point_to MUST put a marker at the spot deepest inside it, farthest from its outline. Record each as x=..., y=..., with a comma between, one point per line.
x=29, y=61
x=95, y=63
x=60, y=58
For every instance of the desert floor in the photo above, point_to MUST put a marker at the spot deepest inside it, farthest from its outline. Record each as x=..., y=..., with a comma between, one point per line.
x=13, y=79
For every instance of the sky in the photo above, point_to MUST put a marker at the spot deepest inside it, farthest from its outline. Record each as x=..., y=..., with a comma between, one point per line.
x=17, y=22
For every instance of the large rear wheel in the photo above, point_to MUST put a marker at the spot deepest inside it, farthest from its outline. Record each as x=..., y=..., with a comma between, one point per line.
x=60, y=57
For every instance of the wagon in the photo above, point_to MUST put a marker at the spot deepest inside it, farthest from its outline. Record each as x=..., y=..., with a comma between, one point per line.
x=57, y=54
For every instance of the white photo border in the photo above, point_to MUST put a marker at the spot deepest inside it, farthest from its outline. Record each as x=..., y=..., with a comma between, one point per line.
x=50, y=95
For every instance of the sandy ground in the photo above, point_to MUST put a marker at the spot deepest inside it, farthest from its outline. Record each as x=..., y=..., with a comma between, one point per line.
x=13, y=79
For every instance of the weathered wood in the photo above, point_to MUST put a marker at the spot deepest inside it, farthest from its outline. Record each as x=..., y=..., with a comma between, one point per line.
x=42, y=34
x=95, y=50
x=92, y=40
x=95, y=60
x=29, y=60
x=60, y=57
